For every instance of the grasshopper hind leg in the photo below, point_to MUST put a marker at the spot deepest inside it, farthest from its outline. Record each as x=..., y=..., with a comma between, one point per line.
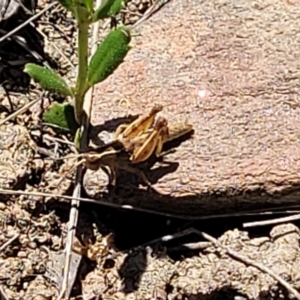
x=121, y=128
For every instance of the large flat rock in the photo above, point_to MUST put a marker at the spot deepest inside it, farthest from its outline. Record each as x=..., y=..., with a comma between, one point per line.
x=232, y=69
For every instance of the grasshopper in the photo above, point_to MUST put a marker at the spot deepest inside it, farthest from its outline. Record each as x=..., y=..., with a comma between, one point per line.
x=136, y=138
x=144, y=145
x=140, y=125
x=124, y=153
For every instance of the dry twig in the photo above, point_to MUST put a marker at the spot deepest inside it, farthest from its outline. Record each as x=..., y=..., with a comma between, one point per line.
x=9, y=242
x=271, y=222
x=20, y=111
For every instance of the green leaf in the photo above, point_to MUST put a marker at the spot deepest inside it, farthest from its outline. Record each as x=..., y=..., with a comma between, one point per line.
x=107, y=9
x=62, y=117
x=48, y=79
x=109, y=55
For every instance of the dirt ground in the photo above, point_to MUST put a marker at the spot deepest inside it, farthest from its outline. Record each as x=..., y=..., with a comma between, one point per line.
x=231, y=70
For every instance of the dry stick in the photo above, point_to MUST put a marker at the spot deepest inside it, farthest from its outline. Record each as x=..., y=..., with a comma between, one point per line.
x=87, y=108
x=177, y=235
x=191, y=246
x=274, y=221
x=250, y=262
x=170, y=237
x=27, y=22
x=20, y=111
x=9, y=241
x=71, y=232
x=144, y=210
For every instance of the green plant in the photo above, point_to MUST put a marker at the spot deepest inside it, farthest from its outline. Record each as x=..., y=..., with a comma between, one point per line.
x=103, y=62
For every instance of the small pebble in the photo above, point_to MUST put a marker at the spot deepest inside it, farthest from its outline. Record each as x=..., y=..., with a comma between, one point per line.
x=22, y=254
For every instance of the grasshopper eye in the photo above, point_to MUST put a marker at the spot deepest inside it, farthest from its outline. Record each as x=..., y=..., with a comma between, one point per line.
x=156, y=109
x=161, y=123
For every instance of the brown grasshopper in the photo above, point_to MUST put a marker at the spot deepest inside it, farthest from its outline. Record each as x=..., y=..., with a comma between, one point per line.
x=134, y=137
x=141, y=140
x=124, y=152
x=140, y=125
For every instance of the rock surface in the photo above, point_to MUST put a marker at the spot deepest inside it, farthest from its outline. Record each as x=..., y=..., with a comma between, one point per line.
x=232, y=70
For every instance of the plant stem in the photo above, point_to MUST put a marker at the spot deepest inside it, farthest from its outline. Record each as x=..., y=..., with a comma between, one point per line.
x=80, y=89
